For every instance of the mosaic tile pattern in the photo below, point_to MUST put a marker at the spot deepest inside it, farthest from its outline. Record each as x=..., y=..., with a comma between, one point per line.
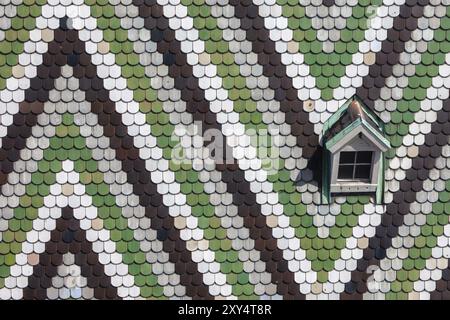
x=96, y=95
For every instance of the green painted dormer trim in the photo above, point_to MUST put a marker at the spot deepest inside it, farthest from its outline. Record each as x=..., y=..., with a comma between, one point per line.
x=341, y=129
x=342, y=109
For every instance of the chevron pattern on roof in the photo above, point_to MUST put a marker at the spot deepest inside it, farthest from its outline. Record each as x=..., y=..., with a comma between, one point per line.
x=170, y=149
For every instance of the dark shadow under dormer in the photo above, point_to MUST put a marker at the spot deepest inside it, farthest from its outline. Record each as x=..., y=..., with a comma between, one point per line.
x=313, y=170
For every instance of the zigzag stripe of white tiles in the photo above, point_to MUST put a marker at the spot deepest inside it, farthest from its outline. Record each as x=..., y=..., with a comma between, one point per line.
x=29, y=59
x=394, y=91
x=252, y=71
x=192, y=143
x=429, y=108
x=81, y=19
x=7, y=12
x=377, y=34
x=394, y=87
x=227, y=212
x=111, y=169
x=434, y=266
x=90, y=131
x=38, y=136
x=436, y=94
x=398, y=165
x=134, y=213
x=11, y=191
x=151, y=153
x=331, y=19
x=240, y=143
x=33, y=151
x=187, y=133
x=397, y=171
x=101, y=243
x=35, y=243
x=291, y=255
x=323, y=215
x=263, y=96
x=433, y=271
x=309, y=275
x=349, y=256
x=94, y=136
x=42, y=227
x=296, y=68
x=83, y=22
x=384, y=274
x=69, y=283
x=400, y=244
x=373, y=38
x=348, y=261
x=14, y=93
x=299, y=72
x=407, y=61
x=344, y=9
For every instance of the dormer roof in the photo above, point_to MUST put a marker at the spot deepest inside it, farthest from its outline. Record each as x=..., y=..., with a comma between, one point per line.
x=351, y=119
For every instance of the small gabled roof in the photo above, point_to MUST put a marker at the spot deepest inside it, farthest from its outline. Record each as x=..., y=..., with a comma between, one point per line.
x=353, y=117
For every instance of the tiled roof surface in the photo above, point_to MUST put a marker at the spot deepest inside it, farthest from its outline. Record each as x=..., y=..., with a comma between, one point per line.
x=96, y=95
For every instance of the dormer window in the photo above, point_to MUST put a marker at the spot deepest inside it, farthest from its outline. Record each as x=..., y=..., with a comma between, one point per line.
x=354, y=144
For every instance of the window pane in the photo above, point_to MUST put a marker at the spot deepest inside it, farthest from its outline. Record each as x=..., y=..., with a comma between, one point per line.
x=347, y=157
x=345, y=172
x=362, y=171
x=364, y=157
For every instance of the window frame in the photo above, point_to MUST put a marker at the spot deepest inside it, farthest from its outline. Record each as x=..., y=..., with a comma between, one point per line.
x=354, y=166
x=358, y=144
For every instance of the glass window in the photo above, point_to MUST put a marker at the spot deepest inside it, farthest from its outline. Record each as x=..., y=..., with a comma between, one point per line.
x=355, y=165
